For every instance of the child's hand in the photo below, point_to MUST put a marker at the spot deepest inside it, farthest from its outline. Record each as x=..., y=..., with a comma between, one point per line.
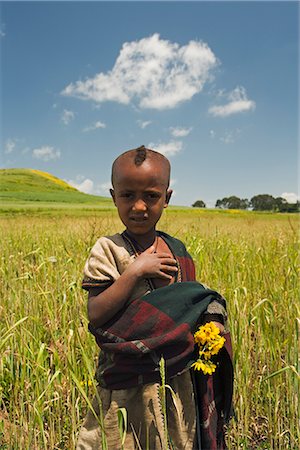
x=154, y=265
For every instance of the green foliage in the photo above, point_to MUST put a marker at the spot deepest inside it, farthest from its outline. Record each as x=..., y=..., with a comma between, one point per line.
x=263, y=202
x=283, y=206
x=232, y=202
x=199, y=204
x=266, y=202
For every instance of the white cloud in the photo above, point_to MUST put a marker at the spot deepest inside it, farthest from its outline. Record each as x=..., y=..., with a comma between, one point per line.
x=9, y=145
x=290, y=197
x=159, y=74
x=144, y=124
x=180, y=131
x=212, y=134
x=67, y=116
x=230, y=136
x=95, y=126
x=86, y=186
x=103, y=188
x=237, y=102
x=167, y=149
x=46, y=153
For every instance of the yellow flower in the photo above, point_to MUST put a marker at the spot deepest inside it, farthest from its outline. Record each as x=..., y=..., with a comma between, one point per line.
x=207, y=367
x=86, y=383
x=216, y=347
x=200, y=337
x=209, y=342
x=206, y=333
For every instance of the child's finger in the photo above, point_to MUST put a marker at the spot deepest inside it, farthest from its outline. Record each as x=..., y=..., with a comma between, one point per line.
x=166, y=268
x=164, y=275
x=168, y=260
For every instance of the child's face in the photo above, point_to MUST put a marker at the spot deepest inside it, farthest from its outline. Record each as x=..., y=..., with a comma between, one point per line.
x=140, y=194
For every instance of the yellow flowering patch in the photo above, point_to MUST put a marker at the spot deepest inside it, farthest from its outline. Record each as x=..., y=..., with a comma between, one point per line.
x=53, y=179
x=209, y=342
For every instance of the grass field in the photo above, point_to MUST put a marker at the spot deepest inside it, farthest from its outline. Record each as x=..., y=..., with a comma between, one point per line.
x=47, y=356
x=21, y=189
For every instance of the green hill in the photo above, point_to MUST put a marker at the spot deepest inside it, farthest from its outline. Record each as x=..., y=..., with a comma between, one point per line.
x=29, y=185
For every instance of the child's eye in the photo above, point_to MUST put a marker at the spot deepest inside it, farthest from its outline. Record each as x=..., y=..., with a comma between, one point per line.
x=126, y=195
x=152, y=195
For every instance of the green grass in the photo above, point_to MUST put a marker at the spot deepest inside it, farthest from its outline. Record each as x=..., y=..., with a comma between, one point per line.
x=28, y=185
x=47, y=356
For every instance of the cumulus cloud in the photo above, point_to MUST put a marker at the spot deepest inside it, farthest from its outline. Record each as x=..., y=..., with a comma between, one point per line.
x=95, y=126
x=9, y=145
x=46, y=153
x=212, y=134
x=88, y=186
x=290, y=197
x=180, y=131
x=144, y=124
x=103, y=188
x=237, y=102
x=67, y=116
x=157, y=73
x=167, y=149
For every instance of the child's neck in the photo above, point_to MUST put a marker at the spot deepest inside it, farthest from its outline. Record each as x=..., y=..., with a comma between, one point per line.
x=142, y=242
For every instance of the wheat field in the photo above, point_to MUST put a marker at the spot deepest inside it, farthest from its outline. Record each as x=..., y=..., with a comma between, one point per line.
x=47, y=356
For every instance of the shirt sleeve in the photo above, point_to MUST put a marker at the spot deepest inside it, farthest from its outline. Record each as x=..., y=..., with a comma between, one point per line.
x=216, y=311
x=101, y=268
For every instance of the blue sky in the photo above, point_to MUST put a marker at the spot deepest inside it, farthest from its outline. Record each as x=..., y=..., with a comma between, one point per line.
x=213, y=85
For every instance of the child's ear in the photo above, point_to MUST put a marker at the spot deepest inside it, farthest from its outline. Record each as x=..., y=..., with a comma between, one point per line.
x=112, y=193
x=168, y=197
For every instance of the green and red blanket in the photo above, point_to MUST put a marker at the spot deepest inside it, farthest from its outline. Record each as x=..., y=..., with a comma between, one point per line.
x=161, y=324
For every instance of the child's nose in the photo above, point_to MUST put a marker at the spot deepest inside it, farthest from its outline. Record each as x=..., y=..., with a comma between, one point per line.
x=139, y=205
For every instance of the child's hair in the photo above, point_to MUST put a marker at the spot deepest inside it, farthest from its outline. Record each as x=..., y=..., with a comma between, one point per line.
x=138, y=156
x=141, y=155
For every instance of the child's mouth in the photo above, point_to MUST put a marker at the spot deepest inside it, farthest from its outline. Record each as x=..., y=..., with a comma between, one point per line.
x=139, y=219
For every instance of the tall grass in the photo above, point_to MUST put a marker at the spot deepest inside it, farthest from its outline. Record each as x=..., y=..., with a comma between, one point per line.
x=47, y=356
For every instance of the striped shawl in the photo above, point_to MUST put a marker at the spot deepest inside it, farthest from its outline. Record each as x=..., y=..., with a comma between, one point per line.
x=159, y=324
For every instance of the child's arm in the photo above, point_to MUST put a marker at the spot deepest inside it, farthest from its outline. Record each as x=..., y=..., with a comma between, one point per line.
x=102, y=306
x=216, y=313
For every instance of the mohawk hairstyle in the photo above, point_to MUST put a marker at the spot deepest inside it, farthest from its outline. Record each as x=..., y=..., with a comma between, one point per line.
x=141, y=155
x=137, y=156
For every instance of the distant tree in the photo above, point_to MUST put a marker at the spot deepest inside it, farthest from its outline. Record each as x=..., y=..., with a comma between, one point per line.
x=294, y=207
x=232, y=202
x=219, y=204
x=244, y=203
x=199, y=204
x=264, y=202
x=282, y=205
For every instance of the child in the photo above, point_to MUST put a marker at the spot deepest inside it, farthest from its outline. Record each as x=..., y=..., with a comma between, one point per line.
x=143, y=304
